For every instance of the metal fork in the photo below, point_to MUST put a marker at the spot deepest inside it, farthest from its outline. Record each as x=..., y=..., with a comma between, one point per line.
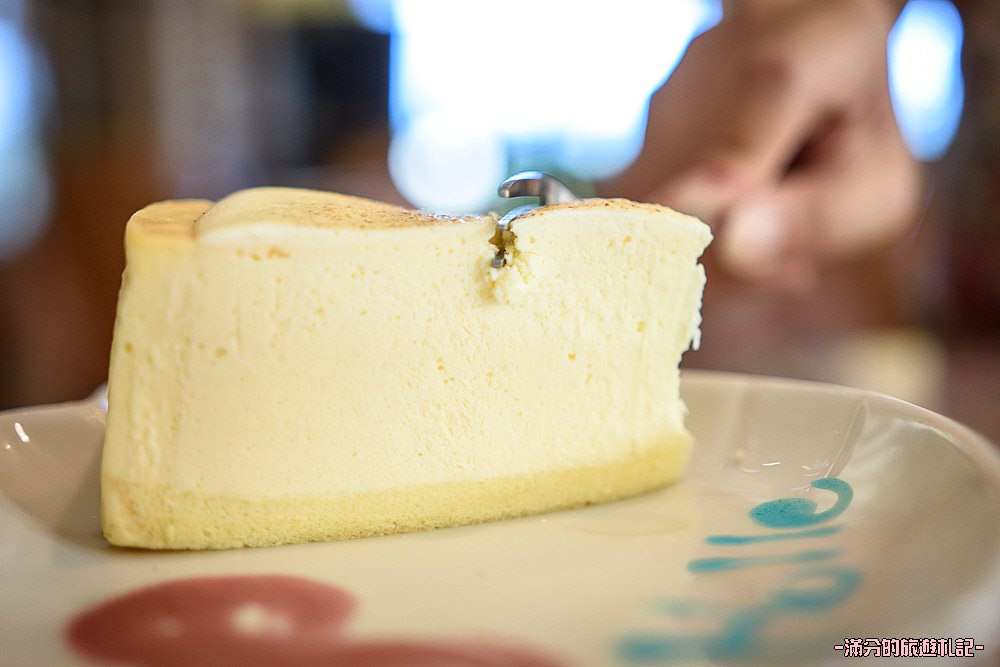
x=546, y=187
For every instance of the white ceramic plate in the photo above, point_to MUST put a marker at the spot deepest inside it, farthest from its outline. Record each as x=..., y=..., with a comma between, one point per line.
x=902, y=540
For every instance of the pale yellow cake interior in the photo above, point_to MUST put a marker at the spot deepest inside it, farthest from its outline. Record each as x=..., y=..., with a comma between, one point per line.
x=291, y=365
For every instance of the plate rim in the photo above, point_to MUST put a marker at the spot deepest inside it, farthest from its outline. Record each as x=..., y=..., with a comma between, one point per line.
x=981, y=451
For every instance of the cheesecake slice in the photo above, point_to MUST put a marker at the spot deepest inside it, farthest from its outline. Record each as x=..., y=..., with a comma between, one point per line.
x=291, y=365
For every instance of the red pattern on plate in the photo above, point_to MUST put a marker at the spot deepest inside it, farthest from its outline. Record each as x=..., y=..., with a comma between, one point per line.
x=258, y=620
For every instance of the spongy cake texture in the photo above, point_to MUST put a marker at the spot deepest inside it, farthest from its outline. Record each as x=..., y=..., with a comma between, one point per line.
x=291, y=365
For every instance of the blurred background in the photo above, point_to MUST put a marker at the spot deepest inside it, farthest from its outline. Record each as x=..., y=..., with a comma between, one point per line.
x=108, y=105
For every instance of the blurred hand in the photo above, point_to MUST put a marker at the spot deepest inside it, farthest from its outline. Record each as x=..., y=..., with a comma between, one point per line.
x=777, y=129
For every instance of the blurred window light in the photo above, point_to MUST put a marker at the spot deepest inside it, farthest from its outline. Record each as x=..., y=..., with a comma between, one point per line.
x=15, y=82
x=447, y=162
x=376, y=15
x=925, y=76
x=25, y=194
x=568, y=83
x=561, y=86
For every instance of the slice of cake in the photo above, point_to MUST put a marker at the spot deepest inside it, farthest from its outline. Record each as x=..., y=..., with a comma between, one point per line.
x=291, y=365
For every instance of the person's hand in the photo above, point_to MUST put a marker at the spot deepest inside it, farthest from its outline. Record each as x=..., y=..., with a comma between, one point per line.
x=777, y=129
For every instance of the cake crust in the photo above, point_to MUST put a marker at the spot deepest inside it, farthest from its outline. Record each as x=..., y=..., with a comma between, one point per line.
x=189, y=520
